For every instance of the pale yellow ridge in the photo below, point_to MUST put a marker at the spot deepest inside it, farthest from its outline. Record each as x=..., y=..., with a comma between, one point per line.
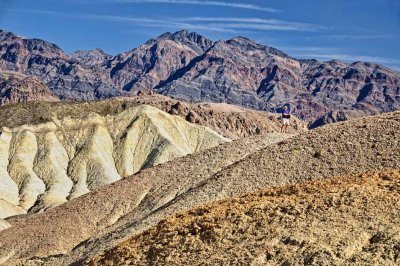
x=44, y=165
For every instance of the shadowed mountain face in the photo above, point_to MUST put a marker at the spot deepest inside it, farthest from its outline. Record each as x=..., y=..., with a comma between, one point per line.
x=190, y=67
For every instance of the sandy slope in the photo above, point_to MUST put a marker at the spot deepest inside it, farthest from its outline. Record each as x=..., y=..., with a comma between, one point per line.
x=348, y=220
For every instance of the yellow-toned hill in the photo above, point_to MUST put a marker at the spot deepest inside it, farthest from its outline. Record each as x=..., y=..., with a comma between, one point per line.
x=45, y=164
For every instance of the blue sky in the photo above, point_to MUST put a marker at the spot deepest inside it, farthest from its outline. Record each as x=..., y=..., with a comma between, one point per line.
x=347, y=30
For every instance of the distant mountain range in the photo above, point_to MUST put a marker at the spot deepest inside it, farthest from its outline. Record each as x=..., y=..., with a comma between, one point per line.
x=190, y=67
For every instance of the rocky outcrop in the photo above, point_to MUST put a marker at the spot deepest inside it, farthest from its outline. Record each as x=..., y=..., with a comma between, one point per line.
x=44, y=165
x=18, y=88
x=90, y=225
x=190, y=67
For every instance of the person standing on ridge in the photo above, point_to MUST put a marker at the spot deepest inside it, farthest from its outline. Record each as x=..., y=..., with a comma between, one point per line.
x=285, y=120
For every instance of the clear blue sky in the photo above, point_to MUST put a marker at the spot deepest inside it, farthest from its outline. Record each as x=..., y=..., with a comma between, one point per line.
x=348, y=30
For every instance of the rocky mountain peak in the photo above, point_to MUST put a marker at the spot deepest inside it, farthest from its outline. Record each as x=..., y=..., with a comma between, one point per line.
x=43, y=46
x=91, y=57
x=243, y=43
x=6, y=34
x=192, y=39
x=13, y=43
x=242, y=40
x=91, y=51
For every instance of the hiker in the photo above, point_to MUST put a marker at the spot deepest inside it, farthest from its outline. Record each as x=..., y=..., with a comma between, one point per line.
x=285, y=120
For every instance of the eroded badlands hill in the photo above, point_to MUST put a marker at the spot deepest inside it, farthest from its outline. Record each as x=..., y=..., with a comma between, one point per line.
x=348, y=220
x=83, y=218
x=45, y=164
x=89, y=225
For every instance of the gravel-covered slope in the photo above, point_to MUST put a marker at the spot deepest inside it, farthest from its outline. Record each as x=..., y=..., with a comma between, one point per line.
x=350, y=220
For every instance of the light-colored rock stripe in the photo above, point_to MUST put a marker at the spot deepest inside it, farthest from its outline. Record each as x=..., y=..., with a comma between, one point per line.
x=20, y=168
x=51, y=166
x=8, y=188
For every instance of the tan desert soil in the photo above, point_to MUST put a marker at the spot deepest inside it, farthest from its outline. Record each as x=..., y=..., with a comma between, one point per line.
x=60, y=229
x=139, y=202
x=352, y=220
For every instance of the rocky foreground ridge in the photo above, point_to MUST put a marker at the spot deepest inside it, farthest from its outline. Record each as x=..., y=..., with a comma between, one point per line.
x=90, y=226
x=191, y=67
x=326, y=222
x=45, y=164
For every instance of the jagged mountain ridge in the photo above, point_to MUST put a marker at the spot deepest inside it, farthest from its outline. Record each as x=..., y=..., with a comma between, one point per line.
x=64, y=75
x=188, y=66
x=147, y=66
x=242, y=72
